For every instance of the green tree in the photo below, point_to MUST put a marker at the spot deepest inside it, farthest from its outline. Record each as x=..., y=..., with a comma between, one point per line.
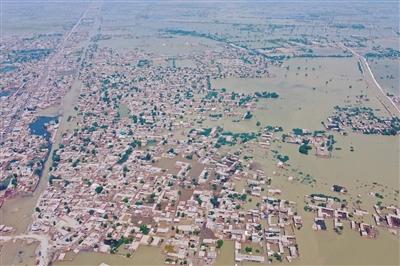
x=304, y=148
x=99, y=189
x=220, y=243
x=144, y=229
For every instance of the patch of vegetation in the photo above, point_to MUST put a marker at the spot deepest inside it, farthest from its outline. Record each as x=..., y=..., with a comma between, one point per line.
x=99, y=189
x=283, y=158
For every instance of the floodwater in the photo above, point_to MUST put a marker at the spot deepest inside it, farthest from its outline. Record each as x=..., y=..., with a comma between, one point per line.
x=227, y=254
x=328, y=248
x=145, y=255
x=182, y=45
x=25, y=255
x=170, y=165
x=123, y=110
x=374, y=159
x=387, y=73
x=38, y=126
x=303, y=91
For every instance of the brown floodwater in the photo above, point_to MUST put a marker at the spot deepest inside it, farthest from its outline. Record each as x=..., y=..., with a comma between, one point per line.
x=145, y=255
x=25, y=253
x=304, y=102
x=226, y=255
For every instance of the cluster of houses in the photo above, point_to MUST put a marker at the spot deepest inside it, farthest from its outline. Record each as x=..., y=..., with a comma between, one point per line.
x=38, y=72
x=363, y=120
x=387, y=217
x=283, y=221
x=136, y=170
x=22, y=158
x=331, y=212
x=317, y=141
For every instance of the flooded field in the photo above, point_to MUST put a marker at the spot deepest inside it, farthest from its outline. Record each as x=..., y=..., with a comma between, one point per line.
x=170, y=165
x=143, y=256
x=304, y=85
x=227, y=254
x=387, y=73
x=328, y=248
x=33, y=21
x=300, y=96
x=162, y=46
x=25, y=253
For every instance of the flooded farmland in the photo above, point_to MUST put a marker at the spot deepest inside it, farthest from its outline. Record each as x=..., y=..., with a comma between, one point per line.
x=358, y=170
x=143, y=256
